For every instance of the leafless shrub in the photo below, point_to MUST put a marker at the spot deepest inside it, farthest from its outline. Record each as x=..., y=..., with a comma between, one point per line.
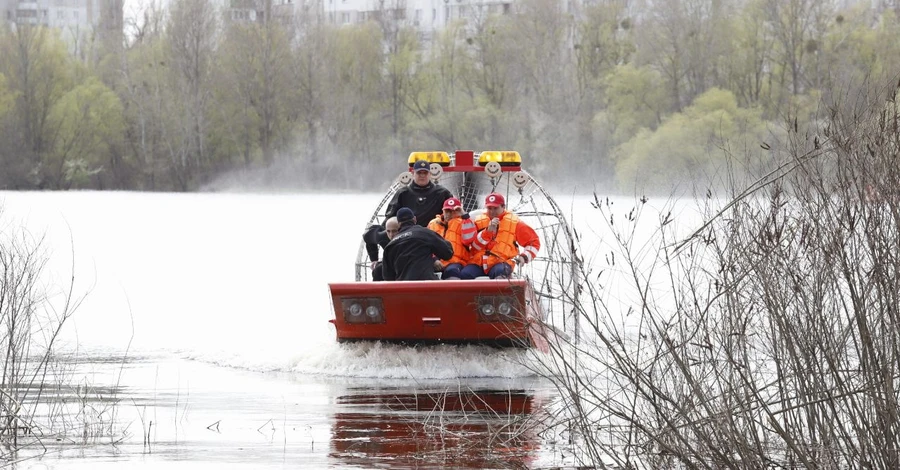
x=767, y=338
x=40, y=396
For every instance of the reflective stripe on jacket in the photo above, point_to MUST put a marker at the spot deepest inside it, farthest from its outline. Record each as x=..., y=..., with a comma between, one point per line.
x=458, y=232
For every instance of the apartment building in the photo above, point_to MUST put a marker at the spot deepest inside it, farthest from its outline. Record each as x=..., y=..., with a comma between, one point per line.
x=74, y=18
x=427, y=16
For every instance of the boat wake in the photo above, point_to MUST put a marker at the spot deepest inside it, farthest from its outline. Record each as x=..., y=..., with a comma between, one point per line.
x=437, y=362
x=379, y=360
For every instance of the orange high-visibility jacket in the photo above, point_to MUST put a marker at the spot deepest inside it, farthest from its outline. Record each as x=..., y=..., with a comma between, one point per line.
x=503, y=247
x=459, y=233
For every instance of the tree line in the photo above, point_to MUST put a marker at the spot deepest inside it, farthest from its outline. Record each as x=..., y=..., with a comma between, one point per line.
x=612, y=92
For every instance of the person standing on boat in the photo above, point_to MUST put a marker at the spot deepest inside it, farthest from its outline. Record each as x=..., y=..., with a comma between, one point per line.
x=423, y=196
x=500, y=235
x=411, y=254
x=458, y=229
x=375, y=237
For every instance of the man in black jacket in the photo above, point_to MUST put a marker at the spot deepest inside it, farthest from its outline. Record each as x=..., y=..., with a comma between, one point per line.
x=410, y=255
x=374, y=237
x=425, y=198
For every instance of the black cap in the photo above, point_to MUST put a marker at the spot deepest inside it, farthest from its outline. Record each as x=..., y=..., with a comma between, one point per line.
x=405, y=214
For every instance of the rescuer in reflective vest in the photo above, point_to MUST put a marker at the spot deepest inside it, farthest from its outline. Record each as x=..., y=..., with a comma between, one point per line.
x=500, y=234
x=458, y=229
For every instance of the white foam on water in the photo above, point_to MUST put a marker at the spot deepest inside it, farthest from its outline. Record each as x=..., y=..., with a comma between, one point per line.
x=378, y=360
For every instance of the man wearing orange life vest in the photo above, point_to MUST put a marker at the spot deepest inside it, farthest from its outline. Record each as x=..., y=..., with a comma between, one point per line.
x=500, y=235
x=458, y=229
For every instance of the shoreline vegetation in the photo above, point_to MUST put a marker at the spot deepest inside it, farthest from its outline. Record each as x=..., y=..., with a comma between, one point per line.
x=614, y=95
x=767, y=338
x=44, y=402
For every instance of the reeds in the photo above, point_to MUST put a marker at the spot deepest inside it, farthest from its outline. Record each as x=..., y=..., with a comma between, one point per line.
x=768, y=337
x=41, y=399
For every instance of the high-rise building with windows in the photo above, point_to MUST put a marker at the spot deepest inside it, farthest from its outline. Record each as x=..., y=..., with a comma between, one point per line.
x=76, y=19
x=426, y=16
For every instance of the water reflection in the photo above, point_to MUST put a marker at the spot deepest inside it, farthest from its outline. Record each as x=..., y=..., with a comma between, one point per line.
x=458, y=428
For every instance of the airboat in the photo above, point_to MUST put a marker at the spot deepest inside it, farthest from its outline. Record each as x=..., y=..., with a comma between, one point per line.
x=524, y=311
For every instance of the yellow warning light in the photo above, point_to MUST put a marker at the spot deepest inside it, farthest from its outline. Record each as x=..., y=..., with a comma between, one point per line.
x=441, y=158
x=504, y=158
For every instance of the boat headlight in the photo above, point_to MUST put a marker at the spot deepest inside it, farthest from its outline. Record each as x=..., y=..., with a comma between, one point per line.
x=355, y=310
x=373, y=307
x=496, y=308
x=373, y=311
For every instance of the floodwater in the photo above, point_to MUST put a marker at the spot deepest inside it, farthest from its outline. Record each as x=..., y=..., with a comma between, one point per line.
x=203, y=339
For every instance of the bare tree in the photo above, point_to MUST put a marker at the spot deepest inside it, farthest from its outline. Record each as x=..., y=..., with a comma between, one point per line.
x=312, y=47
x=750, y=58
x=545, y=41
x=797, y=26
x=142, y=83
x=192, y=37
x=256, y=84
x=679, y=40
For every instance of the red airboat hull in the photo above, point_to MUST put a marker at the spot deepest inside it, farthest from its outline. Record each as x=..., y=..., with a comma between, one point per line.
x=440, y=312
